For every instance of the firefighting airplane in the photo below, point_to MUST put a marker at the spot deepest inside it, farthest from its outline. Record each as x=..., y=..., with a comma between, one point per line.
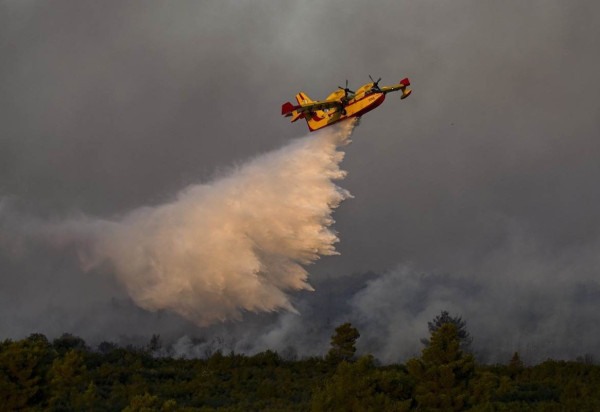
x=341, y=104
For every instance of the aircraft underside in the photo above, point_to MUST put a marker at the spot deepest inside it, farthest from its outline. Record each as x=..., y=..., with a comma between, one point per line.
x=327, y=117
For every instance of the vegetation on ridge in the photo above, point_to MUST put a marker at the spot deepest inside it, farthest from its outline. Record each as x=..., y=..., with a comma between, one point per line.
x=65, y=375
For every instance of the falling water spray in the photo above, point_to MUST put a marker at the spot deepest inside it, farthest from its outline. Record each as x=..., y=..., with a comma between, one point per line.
x=238, y=243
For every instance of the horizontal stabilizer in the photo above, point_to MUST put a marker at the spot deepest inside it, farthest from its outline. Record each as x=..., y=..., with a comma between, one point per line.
x=405, y=93
x=297, y=116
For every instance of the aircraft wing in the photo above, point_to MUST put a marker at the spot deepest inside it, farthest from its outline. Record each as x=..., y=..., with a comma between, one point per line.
x=309, y=107
x=320, y=105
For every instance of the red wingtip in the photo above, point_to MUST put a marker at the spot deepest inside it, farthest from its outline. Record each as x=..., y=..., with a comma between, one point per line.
x=287, y=108
x=405, y=82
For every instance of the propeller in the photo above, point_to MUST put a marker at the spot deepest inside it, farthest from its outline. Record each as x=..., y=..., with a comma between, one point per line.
x=375, y=83
x=346, y=90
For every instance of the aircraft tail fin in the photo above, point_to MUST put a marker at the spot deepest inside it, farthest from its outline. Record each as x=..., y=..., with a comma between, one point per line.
x=289, y=110
x=405, y=90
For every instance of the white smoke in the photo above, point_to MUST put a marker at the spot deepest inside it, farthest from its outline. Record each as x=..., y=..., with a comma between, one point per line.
x=238, y=243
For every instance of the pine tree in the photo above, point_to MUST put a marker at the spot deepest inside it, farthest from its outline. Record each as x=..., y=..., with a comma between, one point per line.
x=343, y=343
x=461, y=328
x=443, y=372
x=515, y=366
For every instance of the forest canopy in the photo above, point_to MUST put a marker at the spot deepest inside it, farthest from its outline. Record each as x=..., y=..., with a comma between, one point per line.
x=65, y=374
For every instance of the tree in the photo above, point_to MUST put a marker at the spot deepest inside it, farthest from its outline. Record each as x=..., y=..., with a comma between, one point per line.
x=461, y=328
x=67, y=382
x=362, y=387
x=343, y=343
x=143, y=403
x=67, y=341
x=155, y=345
x=107, y=347
x=515, y=366
x=22, y=366
x=443, y=372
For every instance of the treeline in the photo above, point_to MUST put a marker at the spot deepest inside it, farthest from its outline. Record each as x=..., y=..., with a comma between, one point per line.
x=66, y=375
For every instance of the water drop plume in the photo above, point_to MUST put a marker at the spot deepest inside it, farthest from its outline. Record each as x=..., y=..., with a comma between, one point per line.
x=238, y=243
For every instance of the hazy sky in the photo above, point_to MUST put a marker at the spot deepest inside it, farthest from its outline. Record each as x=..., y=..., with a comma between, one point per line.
x=479, y=194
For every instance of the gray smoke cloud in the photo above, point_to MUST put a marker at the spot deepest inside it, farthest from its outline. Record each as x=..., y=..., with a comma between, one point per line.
x=478, y=194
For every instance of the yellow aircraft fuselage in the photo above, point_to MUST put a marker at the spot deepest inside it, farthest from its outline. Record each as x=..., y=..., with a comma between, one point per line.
x=340, y=105
x=356, y=107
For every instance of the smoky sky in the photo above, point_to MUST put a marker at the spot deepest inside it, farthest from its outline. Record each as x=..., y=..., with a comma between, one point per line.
x=478, y=194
